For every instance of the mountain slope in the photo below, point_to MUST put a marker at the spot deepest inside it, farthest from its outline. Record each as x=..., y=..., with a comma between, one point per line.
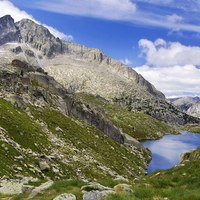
x=42, y=137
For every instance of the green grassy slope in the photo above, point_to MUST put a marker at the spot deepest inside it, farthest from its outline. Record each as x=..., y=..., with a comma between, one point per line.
x=86, y=150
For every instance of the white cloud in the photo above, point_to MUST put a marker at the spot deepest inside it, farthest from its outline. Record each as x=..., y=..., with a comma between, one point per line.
x=168, y=54
x=171, y=67
x=112, y=9
x=126, y=62
x=122, y=10
x=174, y=18
x=7, y=8
x=189, y=5
x=174, y=80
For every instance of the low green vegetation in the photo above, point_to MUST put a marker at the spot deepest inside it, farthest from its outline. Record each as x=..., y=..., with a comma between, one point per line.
x=180, y=183
x=193, y=128
x=177, y=183
x=83, y=147
x=84, y=137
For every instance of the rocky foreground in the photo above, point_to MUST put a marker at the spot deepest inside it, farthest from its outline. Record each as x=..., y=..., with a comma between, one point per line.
x=179, y=182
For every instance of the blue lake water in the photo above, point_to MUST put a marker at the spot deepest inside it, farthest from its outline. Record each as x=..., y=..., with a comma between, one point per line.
x=166, y=151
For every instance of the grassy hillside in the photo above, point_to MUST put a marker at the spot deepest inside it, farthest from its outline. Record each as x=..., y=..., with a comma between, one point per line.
x=76, y=149
x=180, y=183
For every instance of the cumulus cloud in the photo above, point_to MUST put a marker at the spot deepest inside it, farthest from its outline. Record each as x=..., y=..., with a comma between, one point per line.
x=174, y=80
x=126, y=62
x=171, y=67
x=7, y=8
x=168, y=54
x=112, y=9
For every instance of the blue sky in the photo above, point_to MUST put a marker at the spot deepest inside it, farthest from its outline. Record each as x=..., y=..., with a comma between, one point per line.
x=160, y=39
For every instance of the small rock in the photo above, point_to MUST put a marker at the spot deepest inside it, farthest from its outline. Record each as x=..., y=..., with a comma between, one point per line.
x=58, y=129
x=65, y=197
x=177, y=166
x=127, y=190
x=121, y=178
x=135, y=180
x=56, y=171
x=44, y=166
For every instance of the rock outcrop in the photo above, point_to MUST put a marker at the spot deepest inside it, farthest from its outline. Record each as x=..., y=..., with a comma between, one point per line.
x=193, y=154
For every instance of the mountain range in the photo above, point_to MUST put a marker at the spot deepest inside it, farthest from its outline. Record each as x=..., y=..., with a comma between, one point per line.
x=190, y=105
x=68, y=111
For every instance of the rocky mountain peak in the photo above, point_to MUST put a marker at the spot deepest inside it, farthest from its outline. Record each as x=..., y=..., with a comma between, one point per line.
x=8, y=31
x=6, y=22
x=39, y=37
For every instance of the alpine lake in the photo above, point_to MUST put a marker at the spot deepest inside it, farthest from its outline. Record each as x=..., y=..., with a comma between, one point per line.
x=166, y=152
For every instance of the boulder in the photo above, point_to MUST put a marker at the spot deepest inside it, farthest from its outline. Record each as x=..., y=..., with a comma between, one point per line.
x=97, y=195
x=65, y=197
x=11, y=187
x=44, y=186
x=44, y=166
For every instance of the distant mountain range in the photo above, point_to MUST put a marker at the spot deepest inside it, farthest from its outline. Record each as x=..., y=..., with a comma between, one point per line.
x=190, y=105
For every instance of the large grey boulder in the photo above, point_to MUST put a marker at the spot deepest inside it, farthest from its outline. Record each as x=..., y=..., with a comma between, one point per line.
x=11, y=187
x=97, y=195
